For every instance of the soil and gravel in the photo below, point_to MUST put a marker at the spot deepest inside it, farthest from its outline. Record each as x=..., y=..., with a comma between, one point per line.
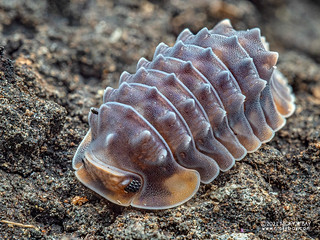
x=58, y=56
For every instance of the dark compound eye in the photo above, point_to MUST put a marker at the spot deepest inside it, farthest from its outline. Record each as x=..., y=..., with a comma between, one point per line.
x=133, y=186
x=94, y=110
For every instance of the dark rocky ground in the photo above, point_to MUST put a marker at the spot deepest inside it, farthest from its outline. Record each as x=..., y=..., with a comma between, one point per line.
x=58, y=57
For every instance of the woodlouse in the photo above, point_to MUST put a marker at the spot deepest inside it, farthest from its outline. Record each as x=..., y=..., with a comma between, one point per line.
x=192, y=111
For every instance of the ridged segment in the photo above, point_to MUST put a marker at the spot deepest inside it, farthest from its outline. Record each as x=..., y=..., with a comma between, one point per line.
x=240, y=64
x=189, y=108
x=251, y=41
x=162, y=115
x=265, y=61
x=148, y=152
x=282, y=95
x=205, y=94
x=210, y=66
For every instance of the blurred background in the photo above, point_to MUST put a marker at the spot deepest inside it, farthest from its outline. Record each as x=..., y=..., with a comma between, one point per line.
x=98, y=39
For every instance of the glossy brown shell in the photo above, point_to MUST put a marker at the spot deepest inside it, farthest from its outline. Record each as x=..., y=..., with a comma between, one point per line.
x=184, y=116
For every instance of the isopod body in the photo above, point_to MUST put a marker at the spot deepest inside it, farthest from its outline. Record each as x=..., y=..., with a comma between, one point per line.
x=181, y=118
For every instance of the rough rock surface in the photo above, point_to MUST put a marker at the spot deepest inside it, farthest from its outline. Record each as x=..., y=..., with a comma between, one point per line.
x=58, y=56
